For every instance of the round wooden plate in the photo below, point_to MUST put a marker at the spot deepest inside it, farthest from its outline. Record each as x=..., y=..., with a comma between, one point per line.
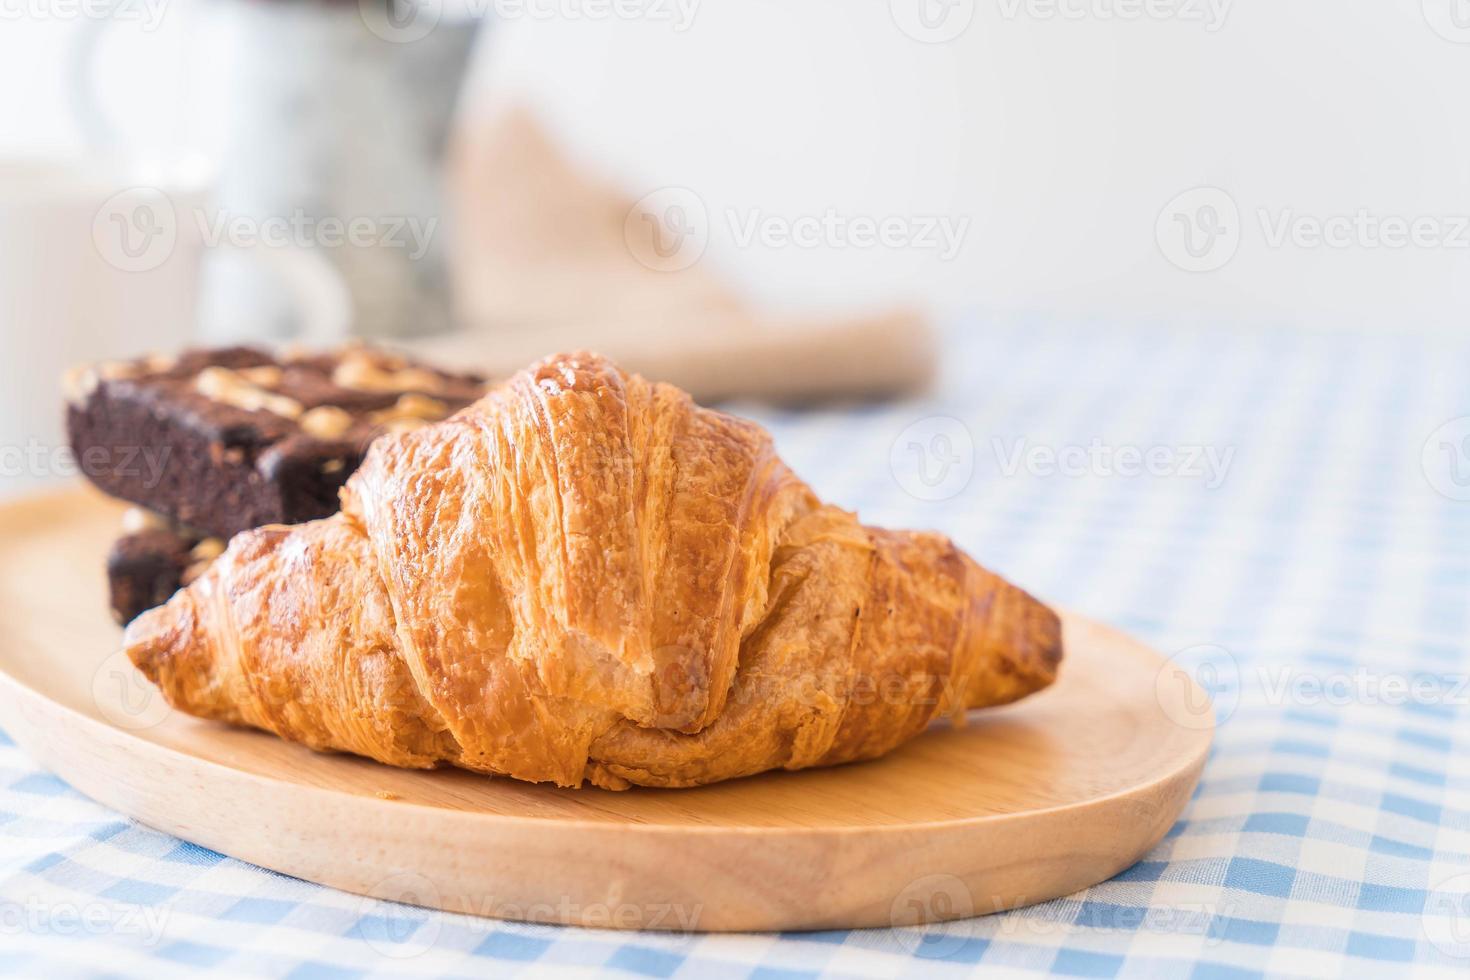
x=1026, y=803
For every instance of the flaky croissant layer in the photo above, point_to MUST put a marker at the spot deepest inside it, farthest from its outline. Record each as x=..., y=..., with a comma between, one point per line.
x=586, y=577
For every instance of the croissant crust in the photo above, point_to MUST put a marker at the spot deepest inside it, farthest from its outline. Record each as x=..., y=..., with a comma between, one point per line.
x=586, y=577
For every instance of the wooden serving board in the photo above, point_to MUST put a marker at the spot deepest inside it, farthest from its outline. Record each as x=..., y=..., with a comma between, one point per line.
x=1026, y=803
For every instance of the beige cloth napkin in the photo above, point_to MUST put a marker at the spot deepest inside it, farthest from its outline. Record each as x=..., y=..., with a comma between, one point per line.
x=546, y=259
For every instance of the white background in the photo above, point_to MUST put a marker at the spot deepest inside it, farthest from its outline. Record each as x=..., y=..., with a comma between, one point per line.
x=1058, y=134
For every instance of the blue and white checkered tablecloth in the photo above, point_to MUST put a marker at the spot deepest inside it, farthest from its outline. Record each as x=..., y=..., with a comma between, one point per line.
x=1285, y=511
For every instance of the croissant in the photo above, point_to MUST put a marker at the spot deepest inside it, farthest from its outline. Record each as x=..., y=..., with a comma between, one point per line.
x=587, y=577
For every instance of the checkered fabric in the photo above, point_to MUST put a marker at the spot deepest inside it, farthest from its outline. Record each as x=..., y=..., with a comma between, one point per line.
x=1286, y=513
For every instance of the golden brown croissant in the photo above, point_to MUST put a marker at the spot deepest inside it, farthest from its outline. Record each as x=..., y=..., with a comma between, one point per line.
x=585, y=576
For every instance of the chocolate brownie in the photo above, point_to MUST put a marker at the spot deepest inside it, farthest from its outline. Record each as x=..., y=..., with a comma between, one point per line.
x=229, y=439
x=153, y=560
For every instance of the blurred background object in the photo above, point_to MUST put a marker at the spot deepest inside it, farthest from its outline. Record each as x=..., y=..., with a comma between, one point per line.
x=757, y=198
x=552, y=257
x=338, y=118
x=1058, y=133
x=328, y=122
x=1059, y=130
x=66, y=299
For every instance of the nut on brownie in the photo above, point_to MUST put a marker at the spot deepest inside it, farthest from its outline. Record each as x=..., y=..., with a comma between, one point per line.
x=229, y=439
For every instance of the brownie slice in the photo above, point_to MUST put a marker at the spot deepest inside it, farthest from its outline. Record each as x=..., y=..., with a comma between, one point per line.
x=143, y=571
x=153, y=560
x=230, y=439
